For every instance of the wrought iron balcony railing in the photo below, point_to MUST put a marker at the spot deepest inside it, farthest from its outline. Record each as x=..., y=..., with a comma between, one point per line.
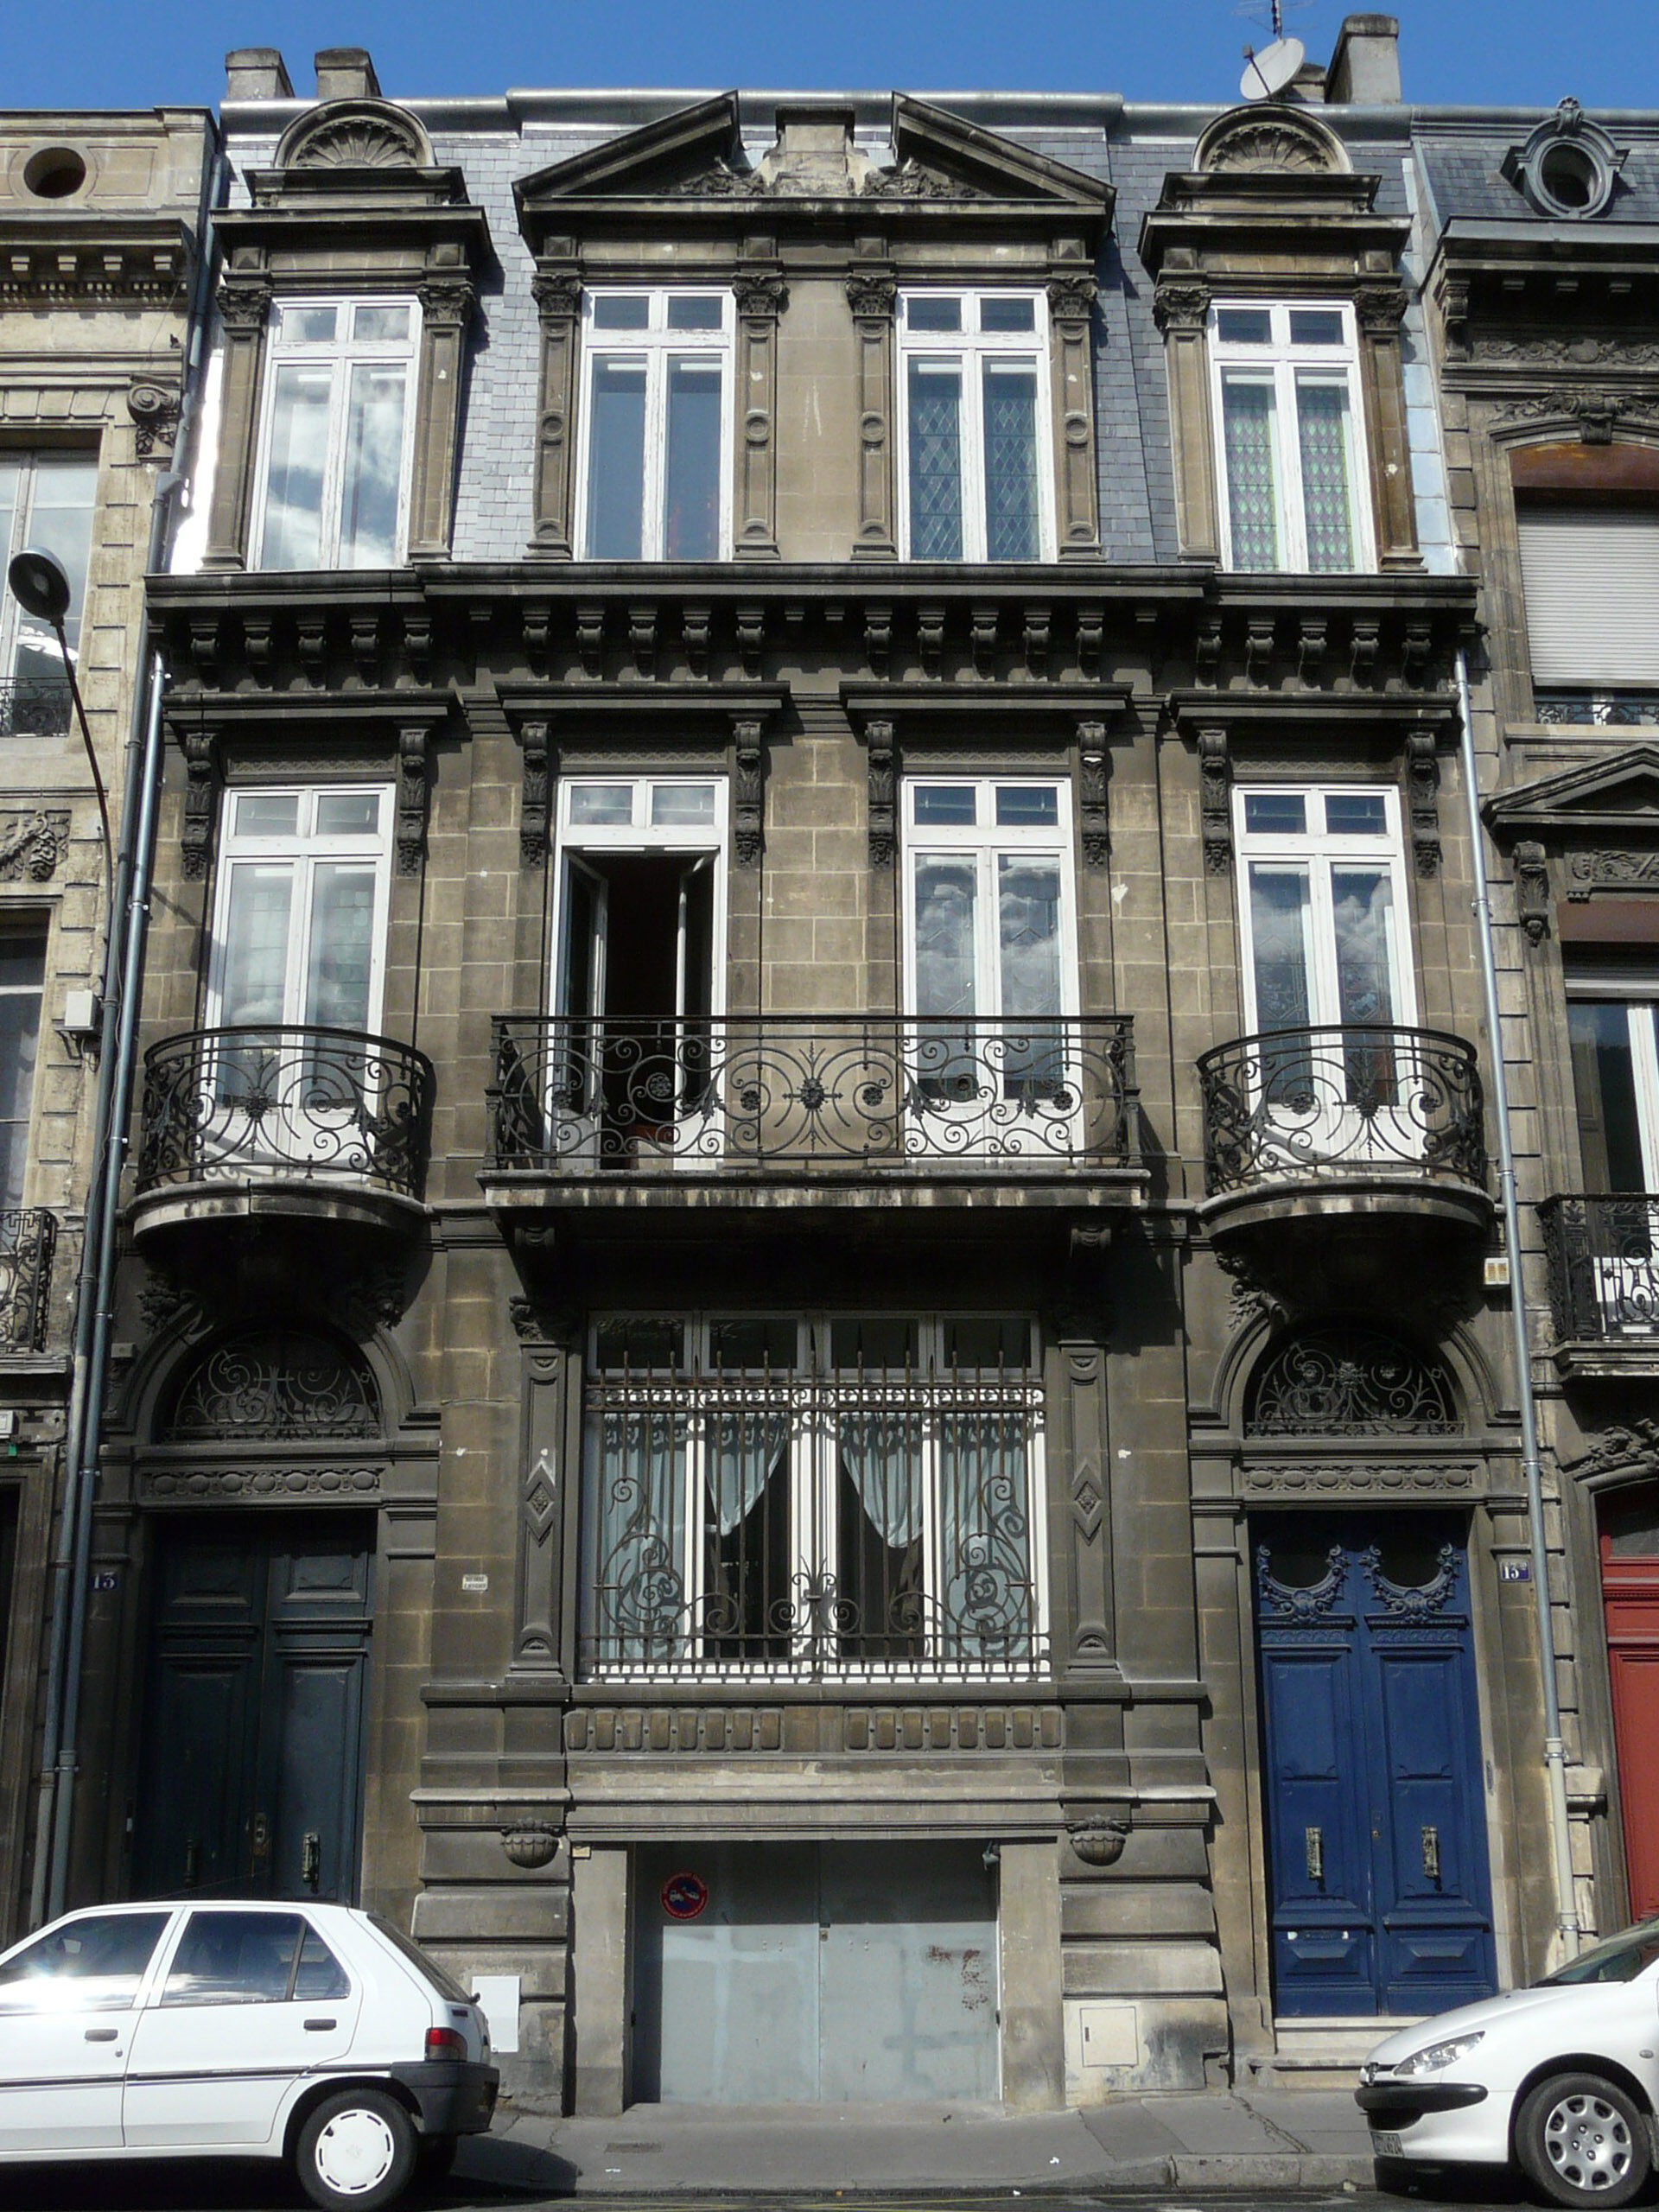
x=320, y=1104
x=33, y=706
x=29, y=1237
x=1317, y=1105
x=578, y=1096
x=1602, y=709
x=1602, y=1254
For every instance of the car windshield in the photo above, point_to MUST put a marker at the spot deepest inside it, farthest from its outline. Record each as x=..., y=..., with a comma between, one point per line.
x=446, y=1985
x=1621, y=1958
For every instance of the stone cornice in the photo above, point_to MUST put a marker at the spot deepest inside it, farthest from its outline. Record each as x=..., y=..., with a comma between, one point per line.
x=115, y=261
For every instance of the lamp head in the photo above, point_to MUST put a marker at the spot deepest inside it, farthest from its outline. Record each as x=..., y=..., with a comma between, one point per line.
x=40, y=585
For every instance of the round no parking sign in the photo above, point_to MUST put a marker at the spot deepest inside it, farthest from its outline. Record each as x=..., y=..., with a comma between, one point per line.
x=684, y=1896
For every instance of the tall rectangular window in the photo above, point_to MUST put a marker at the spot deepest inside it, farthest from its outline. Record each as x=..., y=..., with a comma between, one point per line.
x=836, y=1495
x=1590, y=576
x=46, y=499
x=974, y=426
x=656, y=449
x=1323, y=899
x=22, y=977
x=1292, y=448
x=1611, y=1014
x=332, y=480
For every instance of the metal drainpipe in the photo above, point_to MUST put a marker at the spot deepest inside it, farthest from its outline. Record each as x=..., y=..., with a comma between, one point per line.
x=1554, y=1749
x=123, y=957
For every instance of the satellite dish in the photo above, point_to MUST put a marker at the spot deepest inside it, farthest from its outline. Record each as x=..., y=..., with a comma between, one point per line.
x=1271, y=71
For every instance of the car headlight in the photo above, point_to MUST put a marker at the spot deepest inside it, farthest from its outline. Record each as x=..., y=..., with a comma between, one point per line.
x=1435, y=2055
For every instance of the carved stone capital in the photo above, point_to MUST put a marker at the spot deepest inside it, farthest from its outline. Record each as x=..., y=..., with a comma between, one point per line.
x=1380, y=309
x=872, y=294
x=244, y=305
x=446, y=300
x=1072, y=296
x=761, y=294
x=557, y=294
x=1181, y=305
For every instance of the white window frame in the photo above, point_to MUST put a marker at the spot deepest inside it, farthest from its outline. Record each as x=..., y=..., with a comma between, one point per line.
x=970, y=349
x=1631, y=989
x=810, y=1396
x=1318, y=850
x=653, y=345
x=17, y=629
x=342, y=356
x=641, y=835
x=982, y=841
x=301, y=849
x=1284, y=366
x=33, y=929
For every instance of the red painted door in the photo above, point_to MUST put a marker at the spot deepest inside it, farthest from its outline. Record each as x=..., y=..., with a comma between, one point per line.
x=1630, y=1589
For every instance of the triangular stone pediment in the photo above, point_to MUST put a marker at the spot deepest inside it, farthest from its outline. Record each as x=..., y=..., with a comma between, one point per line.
x=698, y=155
x=1619, y=791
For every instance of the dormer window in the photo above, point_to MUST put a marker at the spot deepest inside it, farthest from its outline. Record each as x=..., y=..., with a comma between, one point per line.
x=1287, y=415
x=332, y=480
x=974, y=426
x=656, y=462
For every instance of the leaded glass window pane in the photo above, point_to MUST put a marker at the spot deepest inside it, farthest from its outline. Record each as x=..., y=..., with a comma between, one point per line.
x=935, y=462
x=1011, y=461
x=1252, y=491
x=1280, y=944
x=1322, y=420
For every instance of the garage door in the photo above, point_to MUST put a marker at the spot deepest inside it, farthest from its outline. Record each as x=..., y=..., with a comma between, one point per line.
x=837, y=1972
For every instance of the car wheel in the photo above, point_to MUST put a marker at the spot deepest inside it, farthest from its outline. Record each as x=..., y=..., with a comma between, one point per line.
x=1584, y=2140
x=356, y=2150
x=435, y=2155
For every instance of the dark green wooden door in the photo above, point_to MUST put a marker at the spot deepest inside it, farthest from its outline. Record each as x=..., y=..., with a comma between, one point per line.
x=252, y=1777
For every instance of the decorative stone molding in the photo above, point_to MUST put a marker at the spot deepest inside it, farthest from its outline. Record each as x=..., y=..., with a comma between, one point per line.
x=1342, y=1479
x=1532, y=889
x=354, y=134
x=31, y=845
x=196, y=838
x=1423, y=786
x=530, y=1843
x=345, y=1486
x=154, y=410
x=1380, y=309
x=1274, y=138
x=536, y=808
x=1608, y=350
x=880, y=745
x=1215, y=801
x=1099, y=1842
x=1602, y=870
x=412, y=798
x=747, y=789
x=1095, y=822
x=762, y=296
x=1568, y=169
x=872, y=293
x=1596, y=413
x=1631, y=1454
x=690, y=1727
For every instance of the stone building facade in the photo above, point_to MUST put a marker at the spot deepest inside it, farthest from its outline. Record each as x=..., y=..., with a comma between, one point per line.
x=99, y=219
x=812, y=1359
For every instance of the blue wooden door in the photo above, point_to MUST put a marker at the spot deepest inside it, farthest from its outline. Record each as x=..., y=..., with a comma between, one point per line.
x=1380, y=1897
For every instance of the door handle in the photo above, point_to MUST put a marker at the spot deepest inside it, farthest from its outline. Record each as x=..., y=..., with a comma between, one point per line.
x=311, y=1859
x=192, y=1861
x=260, y=1845
x=312, y=2025
x=1313, y=1840
x=102, y=2034
x=1431, y=1854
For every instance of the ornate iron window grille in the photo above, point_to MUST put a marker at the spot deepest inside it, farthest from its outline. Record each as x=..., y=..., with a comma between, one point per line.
x=1601, y=1252
x=312, y=1102
x=27, y=1239
x=764, y=1527
x=271, y=1385
x=33, y=706
x=575, y=1095
x=1599, y=710
x=1348, y=1380
x=1353, y=1099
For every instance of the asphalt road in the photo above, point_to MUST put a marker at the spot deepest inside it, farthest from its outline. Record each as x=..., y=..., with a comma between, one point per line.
x=254, y=2186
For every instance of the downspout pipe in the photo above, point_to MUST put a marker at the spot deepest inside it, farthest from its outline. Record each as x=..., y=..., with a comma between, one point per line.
x=117, y=1029
x=1567, y=1909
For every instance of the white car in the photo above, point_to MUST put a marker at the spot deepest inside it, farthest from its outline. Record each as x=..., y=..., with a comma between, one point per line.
x=1563, y=2078
x=311, y=2033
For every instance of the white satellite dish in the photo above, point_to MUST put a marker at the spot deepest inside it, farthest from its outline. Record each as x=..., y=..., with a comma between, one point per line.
x=1271, y=71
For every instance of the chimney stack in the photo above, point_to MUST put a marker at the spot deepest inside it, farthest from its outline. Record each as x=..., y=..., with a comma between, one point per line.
x=1364, y=70
x=256, y=72
x=346, y=72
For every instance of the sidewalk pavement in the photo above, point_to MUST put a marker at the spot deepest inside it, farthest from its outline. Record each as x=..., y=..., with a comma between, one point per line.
x=1269, y=2140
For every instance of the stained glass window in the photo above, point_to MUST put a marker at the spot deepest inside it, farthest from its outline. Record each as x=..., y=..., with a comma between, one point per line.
x=1252, y=489
x=974, y=426
x=1291, y=448
x=1322, y=420
x=935, y=462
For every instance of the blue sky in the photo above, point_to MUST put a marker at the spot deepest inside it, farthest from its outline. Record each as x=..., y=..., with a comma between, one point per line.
x=112, y=54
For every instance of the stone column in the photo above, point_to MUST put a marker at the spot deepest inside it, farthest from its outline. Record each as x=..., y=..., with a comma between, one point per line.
x=539, y=1637
x=447, y=304
x=761, y=295
x=1071, y=311
x=1181, y=310
x=558, y=297
x=243, y=313
x=598, y=1980
x=871, y=294
x=1028, y=1924
x=1379, y=309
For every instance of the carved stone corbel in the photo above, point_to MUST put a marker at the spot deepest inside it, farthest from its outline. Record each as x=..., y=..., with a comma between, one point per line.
x=411, y=799
x=556, y=289
x=200, y=748
x=871, y=294
x=535, y=807
x=880, y=744
x=1532, y=890
x=761, y=296
x=1215, y=801
x=748, y=731
x=1094, y=824
x=1423, y=783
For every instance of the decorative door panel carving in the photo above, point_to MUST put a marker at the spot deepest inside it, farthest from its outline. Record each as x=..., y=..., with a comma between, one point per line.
x=1380, y=1890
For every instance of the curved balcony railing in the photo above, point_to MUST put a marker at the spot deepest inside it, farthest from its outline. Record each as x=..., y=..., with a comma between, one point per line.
x=1602, y=1254
x=577, y=1095
x=1326, y=1104
x=326, y=1105
x=33, y=706
x=29, y=1237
